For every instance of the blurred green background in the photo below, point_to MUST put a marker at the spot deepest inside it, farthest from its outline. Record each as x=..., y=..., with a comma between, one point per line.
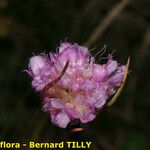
x=35, y=26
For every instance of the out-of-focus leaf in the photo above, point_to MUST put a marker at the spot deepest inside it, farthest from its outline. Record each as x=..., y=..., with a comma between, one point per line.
x=135, y=141
x=3, y=4
x=5, y=26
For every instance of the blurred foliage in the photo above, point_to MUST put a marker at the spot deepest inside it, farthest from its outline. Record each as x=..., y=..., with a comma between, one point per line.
x=34, y=26
x=135, y=141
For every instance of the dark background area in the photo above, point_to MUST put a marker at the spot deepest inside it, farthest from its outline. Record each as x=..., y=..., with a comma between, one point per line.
x=35, y=26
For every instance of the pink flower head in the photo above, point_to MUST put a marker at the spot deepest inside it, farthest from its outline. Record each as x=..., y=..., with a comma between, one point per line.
x=72, y=85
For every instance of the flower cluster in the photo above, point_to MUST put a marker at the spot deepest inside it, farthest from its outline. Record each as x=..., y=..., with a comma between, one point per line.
x=73, y=86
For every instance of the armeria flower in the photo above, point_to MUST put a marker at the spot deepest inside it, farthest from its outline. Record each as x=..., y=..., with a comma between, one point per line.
x=72, y=85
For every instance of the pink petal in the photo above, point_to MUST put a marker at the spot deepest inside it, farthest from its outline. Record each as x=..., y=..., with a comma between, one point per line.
x=61, y=120
x=36, y=64
x=87, y=118
x=56, y=103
